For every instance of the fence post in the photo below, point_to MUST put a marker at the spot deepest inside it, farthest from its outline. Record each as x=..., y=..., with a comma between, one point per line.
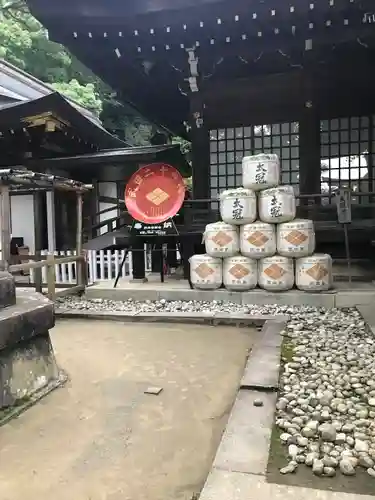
x=51, y=276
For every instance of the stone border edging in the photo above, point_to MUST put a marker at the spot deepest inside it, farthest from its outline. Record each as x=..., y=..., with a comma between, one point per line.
x=174, y=317
x=245, y=443
x=263, y=365
x=258, y=296
x=330, y=299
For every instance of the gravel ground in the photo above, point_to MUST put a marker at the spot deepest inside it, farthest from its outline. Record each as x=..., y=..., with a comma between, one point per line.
x=327, y=403
x=325, y=414
x=132, y=306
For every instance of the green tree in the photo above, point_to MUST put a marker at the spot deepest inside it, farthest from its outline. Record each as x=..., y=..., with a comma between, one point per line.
x=85, y=95
x=24, y=42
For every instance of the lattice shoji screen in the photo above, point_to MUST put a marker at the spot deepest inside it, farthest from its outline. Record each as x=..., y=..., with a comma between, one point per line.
x=347, y=146
x=229, y=145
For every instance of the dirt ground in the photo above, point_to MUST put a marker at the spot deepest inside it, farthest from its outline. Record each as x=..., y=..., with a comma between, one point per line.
x=101, y=438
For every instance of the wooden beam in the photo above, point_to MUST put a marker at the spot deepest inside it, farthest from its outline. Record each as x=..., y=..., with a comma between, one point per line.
x=43, y=263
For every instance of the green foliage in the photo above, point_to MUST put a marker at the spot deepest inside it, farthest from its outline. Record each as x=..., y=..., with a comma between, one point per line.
x=24, y=43
x=85, y=95
x=184, y=145
x=132, y=129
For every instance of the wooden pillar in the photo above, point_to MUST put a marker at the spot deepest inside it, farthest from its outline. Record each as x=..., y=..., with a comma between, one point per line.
x=138, y=258
x=5, y=223
x=200, y=152
x=38, y=236
x=309, y=138
x=309, y=147
x=51, y=221
x=79, y=239
x=93, y=209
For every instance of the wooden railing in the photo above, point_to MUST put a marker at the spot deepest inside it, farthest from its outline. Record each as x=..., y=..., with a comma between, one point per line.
x=50, y=261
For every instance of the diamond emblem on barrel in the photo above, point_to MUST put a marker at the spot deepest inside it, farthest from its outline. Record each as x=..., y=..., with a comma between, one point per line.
x=221, y=239
x=274, y=271
x=239, y=271
x=296, y=238
x=157, y=196
x=317, y=272
x=204, y=270
x=257, y=239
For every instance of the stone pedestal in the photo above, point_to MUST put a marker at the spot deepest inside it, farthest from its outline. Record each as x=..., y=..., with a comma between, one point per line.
x=27, y=362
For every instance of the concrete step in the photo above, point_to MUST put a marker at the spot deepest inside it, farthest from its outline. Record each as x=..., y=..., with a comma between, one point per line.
x=7, y=290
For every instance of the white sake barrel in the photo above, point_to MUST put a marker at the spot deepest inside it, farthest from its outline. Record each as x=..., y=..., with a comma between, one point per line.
x=221, y=240
x=258, y=240
x=260, y=171
x=277, y=205
x=238, y=206
x=276, y=273
x=296, y=238
x=206, y=272
x=240, y=273
x=314, y=273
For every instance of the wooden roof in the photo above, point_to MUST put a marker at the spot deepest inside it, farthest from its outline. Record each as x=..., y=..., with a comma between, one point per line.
x=20, y=86
x=46, y=126
x=166, y=153
x=156, y=53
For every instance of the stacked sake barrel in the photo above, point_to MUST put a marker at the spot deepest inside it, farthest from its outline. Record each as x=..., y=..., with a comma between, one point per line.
x=259, y=240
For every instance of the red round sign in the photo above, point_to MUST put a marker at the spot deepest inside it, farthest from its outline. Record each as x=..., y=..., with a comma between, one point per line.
x=155, y=193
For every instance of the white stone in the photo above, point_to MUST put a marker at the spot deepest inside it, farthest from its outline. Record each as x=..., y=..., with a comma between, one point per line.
x=361, y=446
x=347, y=468
x=318, y=467
x=293, y=451
x=302, y=441
x=341, y=438
x=365, y=461
x=329, y=472
x=313, y=424
x=308, y=432
x=290, y=468
x=310, y=457
x=285, y=437
x=330, y=461
x=328, y=432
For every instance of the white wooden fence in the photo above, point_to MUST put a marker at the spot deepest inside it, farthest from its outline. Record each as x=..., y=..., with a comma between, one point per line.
x=101, y=265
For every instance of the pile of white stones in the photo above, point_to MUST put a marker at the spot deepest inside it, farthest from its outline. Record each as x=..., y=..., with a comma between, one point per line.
x=326, y=408
x=326, y=405
x=162, y=305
